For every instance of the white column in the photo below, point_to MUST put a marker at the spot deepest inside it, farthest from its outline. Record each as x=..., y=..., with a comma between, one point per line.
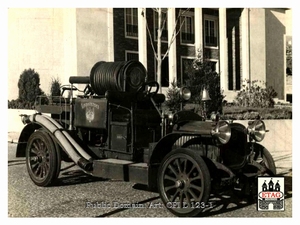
x=198, y=30
x=142, y=34
x=223, y=49
x=172, y=52
x=110, y=33
x=245, y=45
x=70, y=44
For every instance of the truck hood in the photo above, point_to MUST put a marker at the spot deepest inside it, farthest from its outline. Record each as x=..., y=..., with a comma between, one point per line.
x=220, y=130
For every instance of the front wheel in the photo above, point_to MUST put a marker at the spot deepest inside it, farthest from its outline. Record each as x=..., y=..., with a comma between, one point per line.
x=262, y=165
x=184, y=182
x=42, y=159
x=265, y=161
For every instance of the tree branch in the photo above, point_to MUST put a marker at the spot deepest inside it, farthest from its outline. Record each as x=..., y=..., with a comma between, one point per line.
x=150, y=37
x=175, y=33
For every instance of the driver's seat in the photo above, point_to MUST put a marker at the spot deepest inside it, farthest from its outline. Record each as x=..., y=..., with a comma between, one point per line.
x=159, y=98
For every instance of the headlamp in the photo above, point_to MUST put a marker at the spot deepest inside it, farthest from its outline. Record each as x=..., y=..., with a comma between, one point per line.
x=257, y=130
x=222, y=132
x=185, y=93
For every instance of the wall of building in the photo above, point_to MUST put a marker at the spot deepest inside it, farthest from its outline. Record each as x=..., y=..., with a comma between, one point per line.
x=121, y=44
x=57, y=43
x=288, y=22
x=234, y=48
x=257, y=35
x=267, y=47
x=36, y=40
x=275, y=50
x=94, y=38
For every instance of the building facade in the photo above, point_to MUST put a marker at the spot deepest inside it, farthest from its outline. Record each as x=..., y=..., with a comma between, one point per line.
x=243, y=43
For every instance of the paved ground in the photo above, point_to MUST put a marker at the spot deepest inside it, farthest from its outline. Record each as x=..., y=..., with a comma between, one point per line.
x=79, y=195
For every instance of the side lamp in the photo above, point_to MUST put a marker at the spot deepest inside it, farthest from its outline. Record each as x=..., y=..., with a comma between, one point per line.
x=204, y=98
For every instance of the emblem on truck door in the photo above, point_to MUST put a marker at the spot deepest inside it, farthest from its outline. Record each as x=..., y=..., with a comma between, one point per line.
x=89, y=110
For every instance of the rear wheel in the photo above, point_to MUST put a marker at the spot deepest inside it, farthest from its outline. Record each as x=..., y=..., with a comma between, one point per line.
x=184, y=182
x=42, y=159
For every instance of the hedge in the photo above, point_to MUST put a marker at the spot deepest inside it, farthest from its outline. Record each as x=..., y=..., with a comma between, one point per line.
x=250, y=113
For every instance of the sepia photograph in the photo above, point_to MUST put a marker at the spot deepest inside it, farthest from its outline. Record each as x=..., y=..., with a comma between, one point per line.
x=134, y=111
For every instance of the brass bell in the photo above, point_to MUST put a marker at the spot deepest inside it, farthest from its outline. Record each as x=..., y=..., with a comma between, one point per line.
x=205, y=95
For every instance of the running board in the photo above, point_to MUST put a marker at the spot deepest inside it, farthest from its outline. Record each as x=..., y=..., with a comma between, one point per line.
x=121, y=170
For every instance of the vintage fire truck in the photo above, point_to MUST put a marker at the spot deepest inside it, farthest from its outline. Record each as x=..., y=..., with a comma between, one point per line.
x=115, y=128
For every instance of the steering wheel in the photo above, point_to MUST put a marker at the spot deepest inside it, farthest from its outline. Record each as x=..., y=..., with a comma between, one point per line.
x=148, y=93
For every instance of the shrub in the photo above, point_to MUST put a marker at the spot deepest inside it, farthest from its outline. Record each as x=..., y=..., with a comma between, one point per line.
x=55, y=90
x=251, y=113
x=174, y=101
x=29, y=88
x=55, y=87
x=202, y=75
x=254, y=94
x=289, y=59
x=17, y=104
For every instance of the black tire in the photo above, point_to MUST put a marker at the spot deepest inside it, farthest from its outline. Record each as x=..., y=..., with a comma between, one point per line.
x=184, y=182
x=266, y=168
x=42, y=159
x=264, y=158
x=58, y=159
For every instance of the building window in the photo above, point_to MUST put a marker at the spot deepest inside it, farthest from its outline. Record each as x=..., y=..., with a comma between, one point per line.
x=187, y=31
x=214, y=65
x=186, y=66
x=164, y=21
x=131, y=22
x=211, y=31
x=164, y=72
x=131, y=55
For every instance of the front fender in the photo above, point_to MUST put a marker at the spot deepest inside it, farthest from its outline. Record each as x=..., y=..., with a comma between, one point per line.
x=24, y=136
x=164, y=146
